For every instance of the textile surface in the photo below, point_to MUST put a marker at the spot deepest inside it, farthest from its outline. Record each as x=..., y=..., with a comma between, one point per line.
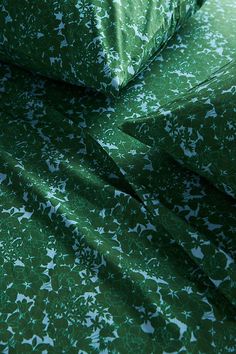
x=109, y=245
x=100, y=44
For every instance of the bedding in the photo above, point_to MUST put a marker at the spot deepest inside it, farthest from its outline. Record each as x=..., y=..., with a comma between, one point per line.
x=109, y=245
x=198, y=129
x=100, y=44
x=199, y=132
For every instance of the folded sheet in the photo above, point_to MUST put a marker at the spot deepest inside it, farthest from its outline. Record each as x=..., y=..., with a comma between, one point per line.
x=99, y=233
x=198, y=129
x=100, y=44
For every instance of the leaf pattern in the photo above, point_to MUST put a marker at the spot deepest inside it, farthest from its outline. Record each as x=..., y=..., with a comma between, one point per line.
x=108, y=245
x=116, y=38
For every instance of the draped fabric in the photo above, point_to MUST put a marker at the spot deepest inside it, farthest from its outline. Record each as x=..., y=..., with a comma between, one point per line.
x=118, y=215
x=94, y=43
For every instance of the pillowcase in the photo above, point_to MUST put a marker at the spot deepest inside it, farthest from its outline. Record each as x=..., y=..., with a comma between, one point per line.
x=102, y=44
x=199, y=129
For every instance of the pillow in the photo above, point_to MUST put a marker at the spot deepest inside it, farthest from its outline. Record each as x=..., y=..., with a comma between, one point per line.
x=102, y=44
x=199, y=129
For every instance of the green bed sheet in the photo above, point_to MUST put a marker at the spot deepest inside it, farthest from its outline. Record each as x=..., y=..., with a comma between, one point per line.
x=101, y=44
x=109, y=245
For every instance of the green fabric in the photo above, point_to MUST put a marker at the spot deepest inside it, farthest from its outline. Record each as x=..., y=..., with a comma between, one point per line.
x=100, y=44
x=199, y=129
x=97, y=229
